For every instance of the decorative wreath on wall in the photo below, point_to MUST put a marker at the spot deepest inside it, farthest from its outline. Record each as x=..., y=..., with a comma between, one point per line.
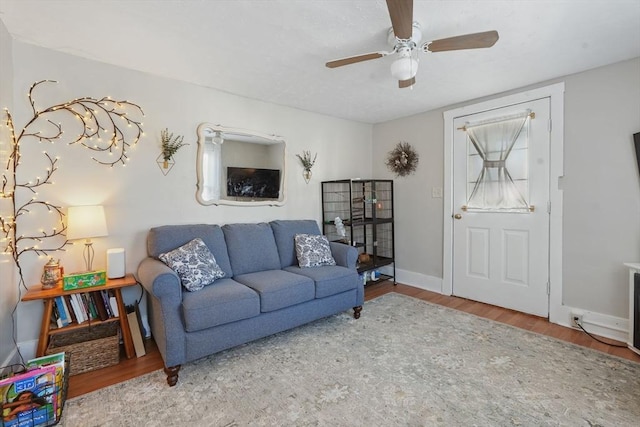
x=402, y=160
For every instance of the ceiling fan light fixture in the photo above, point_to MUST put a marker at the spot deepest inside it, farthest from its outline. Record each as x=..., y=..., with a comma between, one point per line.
x=404, y=68
x=217, y=138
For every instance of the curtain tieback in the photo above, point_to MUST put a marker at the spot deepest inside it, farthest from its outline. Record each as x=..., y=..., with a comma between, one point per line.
x=493, y=163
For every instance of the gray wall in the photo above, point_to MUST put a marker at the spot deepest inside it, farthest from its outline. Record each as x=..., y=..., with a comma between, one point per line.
x=8, y=293
x=601, y=187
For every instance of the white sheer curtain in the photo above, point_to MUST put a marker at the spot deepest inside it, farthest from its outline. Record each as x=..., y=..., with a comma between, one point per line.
x=212, y=170
x=493, y=141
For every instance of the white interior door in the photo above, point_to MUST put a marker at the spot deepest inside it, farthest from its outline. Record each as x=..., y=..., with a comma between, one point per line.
x=500, y=199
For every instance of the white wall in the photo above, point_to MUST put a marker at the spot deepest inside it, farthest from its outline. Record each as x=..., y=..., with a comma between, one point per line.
x=8, y=293
x=601, y=188
x=139, y=196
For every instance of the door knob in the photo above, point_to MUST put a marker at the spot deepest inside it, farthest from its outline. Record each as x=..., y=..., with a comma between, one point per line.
x=457, y=216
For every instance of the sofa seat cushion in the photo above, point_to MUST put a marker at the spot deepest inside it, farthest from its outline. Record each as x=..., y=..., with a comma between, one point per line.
x=329, y=279
x=222, y=302
x=278, y=288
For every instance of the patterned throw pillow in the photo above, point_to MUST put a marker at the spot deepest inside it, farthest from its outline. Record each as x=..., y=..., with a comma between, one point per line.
x=194, y=264
x=313, y=250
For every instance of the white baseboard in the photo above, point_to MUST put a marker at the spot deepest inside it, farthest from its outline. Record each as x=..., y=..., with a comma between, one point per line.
x=421, y=281
x=615, y=328
x=28, y=349
x=11, y=358
x=604, y=325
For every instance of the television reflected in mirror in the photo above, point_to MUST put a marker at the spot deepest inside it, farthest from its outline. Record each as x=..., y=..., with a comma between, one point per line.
x=240, y=167
x=252, y=183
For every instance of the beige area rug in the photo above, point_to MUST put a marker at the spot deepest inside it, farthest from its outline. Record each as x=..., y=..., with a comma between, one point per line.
x=405, y=362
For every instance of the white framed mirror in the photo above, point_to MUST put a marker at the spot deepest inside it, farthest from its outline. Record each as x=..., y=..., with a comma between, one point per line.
x=240, y=167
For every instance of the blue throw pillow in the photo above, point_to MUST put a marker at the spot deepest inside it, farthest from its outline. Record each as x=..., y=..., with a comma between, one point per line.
x=194, y=263
x=313, y=250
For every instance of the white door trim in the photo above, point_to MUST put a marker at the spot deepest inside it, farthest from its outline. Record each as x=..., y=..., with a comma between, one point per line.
x=555, y=93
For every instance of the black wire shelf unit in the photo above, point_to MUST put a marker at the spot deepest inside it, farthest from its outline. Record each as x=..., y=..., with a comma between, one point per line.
x=365, y=209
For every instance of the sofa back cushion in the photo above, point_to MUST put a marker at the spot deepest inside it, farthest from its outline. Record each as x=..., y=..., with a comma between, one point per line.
x=251, y=248
x=285, y=231
x=168, y=237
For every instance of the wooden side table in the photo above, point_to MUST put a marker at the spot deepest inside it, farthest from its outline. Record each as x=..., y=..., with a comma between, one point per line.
x=48, y=296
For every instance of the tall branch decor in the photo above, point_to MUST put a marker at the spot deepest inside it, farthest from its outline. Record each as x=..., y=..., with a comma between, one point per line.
x=106, y=128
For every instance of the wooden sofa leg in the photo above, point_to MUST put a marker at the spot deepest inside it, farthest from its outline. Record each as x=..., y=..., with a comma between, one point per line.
x=172, y=374
x=356, y=312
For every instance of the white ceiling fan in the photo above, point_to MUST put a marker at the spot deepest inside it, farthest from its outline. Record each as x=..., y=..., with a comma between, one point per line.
x=405, y=37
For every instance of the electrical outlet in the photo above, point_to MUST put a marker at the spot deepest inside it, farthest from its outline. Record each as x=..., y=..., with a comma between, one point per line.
x=576, y=318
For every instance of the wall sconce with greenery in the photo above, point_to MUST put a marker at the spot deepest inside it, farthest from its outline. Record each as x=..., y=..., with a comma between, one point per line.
x=170, y=145
x=106, y=128
x=307, y=164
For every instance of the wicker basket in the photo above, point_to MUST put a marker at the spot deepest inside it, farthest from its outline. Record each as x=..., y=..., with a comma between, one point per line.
x=91, y=348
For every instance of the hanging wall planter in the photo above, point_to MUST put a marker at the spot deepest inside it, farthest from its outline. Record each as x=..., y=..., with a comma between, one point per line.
x=165, y=165
x=307, y=164
x=306, y=174
x=170, y=145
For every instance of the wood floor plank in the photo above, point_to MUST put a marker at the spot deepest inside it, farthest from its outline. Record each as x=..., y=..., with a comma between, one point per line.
x=131, y=368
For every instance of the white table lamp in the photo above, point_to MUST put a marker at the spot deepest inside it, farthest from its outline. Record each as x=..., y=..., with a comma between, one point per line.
x=85, y=222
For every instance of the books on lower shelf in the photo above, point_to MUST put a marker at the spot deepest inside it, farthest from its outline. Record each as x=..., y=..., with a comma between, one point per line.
x=82, y=307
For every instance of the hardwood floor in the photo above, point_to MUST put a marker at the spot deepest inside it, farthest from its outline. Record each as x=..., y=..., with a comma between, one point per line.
x=131, y=368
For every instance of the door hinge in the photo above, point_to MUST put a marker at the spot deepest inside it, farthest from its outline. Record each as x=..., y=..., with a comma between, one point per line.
x=549, y=206
x=548, y=287
x=549, y=125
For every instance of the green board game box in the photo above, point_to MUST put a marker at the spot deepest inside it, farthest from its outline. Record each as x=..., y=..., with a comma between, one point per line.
x=84, y=280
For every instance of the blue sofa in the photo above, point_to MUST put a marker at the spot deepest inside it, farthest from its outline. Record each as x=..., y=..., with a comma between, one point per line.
x=264, y=291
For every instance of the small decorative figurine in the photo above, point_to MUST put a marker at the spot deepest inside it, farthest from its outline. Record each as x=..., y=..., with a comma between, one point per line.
x=51, y=275
x=340, y=227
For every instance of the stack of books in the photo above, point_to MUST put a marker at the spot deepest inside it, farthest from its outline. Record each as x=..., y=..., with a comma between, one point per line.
x=82, y=307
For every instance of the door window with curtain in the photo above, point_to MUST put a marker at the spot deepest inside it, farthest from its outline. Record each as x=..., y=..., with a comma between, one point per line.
x=498, y=164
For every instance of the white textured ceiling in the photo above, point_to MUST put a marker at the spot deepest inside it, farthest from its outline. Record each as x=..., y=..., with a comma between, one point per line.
x=276, y=50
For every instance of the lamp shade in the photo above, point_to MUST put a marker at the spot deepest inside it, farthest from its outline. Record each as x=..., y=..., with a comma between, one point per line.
x=85, y=222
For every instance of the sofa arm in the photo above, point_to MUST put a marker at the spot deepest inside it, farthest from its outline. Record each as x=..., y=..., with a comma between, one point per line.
x=164, y=289
x=345, y=255
x=159, y=280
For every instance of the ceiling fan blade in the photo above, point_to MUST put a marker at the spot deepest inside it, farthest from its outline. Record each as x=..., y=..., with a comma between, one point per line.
x=401, y=14
x=406, y=83
x=467, y=41
x=355, y=59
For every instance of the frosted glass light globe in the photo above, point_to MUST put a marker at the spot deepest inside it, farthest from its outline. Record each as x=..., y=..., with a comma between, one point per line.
x=404, y=68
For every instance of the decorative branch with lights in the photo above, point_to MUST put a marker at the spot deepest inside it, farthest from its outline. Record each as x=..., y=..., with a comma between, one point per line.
x=99, y=118
x=104, y=122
